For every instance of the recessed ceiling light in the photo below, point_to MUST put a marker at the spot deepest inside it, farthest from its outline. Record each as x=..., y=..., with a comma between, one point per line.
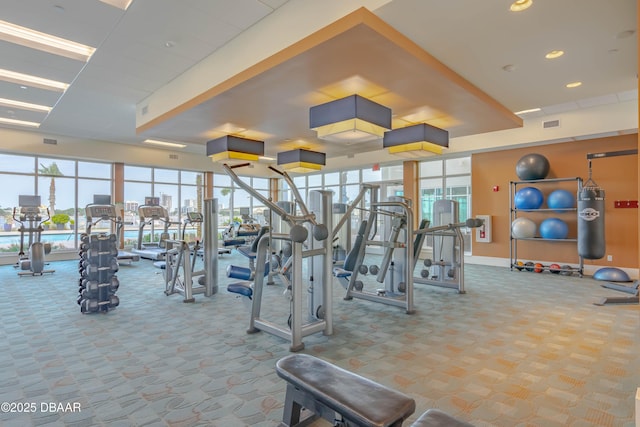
x=520, y=5
x=164, y=143
x=573, y=84
x=554, y=54
x=509, y=68
x=169, y=44
x=24, y=105
x=45, y=42
x=33, y=81
x=19, y=122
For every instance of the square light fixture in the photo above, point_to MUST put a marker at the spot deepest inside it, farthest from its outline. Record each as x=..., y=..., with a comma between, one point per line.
x=353, y=118
x=302, y=160
x=420, y=137
x=234, y=147
x=45, y=42
x=164, y=143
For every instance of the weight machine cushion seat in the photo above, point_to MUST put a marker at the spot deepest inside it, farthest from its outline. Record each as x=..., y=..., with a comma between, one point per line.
x=246, y=251
x=437, y=418
x=242, y=288
x=234, y=242
x=359, y=400
x=341, y=272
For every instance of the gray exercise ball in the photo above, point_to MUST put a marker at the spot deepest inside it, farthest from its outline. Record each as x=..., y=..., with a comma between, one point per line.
x=532, y=166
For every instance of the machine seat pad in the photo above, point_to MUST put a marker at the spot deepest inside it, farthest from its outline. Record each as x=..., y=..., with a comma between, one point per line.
x=234, y=242
x=341, y=272
x=357, y=399
x=242, y=288
x=246, y=251
x=437, y=418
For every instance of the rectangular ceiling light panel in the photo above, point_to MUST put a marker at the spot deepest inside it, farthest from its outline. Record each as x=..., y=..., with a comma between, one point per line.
x=45, y=42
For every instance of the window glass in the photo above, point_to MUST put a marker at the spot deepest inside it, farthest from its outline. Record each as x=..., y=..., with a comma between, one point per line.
x=56, y=167
x=458, y=166
x=332, y=178
x=190, y=202
x=20, y=184
x=392, y=172
x=94, y=170
x=300, y=181
x=224, y=204
x=431, y=168
x=168, y=195
x=194, y=178
x=260, y=183
x=87, y=188
x=221, y=180
x=165, y=175
x=23, y=164
x=369, y=175
x=136, y=173
x=315, y=180
x=351, y=177
x=59, y=195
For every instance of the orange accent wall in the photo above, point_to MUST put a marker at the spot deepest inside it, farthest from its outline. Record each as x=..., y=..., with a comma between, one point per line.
x=618, y=176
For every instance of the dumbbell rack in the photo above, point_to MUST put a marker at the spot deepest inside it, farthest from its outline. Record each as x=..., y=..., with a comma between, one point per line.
x=98, y=282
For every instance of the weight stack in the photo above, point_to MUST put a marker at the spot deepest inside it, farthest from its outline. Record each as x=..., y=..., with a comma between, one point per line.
x=97, y=267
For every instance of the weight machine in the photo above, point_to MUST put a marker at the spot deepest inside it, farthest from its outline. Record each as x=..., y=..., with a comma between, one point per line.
x=181, y=256
x=28, y=215
x=447, y=261
x=312, y=242
x=395, y=270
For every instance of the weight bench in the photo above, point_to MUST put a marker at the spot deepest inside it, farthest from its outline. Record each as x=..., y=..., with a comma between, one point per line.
x=316, y=388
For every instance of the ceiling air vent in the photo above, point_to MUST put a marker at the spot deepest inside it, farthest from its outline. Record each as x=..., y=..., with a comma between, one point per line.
x=50, y=141
x=173, y=156
x=551, y=124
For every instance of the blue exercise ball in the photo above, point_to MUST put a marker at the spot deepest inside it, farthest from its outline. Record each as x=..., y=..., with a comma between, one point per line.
x=532, y=166
x=523, y=228
x=561, y=199
x=554, y=228
x=528, y=198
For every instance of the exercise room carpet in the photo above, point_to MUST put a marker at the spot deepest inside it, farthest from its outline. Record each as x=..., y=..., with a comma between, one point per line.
x=519, y=349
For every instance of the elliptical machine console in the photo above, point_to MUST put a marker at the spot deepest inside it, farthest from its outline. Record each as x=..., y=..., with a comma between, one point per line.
x=32, y=261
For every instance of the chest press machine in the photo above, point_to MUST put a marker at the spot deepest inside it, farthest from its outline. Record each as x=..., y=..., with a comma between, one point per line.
x=309, y=239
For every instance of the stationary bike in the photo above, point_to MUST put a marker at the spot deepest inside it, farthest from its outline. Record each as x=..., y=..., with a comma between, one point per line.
x=28, y=216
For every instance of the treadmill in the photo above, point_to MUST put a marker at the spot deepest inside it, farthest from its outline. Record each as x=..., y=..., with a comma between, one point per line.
x=102, y=210
x=153, y=250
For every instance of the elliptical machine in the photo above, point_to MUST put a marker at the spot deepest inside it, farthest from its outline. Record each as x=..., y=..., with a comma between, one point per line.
x=27, y=214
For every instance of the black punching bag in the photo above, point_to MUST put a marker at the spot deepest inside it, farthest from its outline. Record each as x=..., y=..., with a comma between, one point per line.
x=591, y=244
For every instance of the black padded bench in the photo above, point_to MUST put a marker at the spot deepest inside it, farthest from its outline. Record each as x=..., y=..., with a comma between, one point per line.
x=340, y=396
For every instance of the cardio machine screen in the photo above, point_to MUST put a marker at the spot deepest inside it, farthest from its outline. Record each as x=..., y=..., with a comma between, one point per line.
x=102, y=211
x=194, y=216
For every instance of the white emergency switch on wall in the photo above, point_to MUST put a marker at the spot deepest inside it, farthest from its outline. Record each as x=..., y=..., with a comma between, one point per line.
x=483, y=233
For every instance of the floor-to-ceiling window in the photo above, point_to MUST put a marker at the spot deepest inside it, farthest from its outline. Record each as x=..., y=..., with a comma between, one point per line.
x=177, y=191
x=64, y=187
x=447, y=179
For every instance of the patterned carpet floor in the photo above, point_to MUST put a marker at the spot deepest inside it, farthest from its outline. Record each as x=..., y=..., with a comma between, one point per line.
x=518, y=349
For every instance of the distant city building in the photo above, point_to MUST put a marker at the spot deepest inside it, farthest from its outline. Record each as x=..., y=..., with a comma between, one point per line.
x=166, y=201
x=190, y=205
x=131, y=206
